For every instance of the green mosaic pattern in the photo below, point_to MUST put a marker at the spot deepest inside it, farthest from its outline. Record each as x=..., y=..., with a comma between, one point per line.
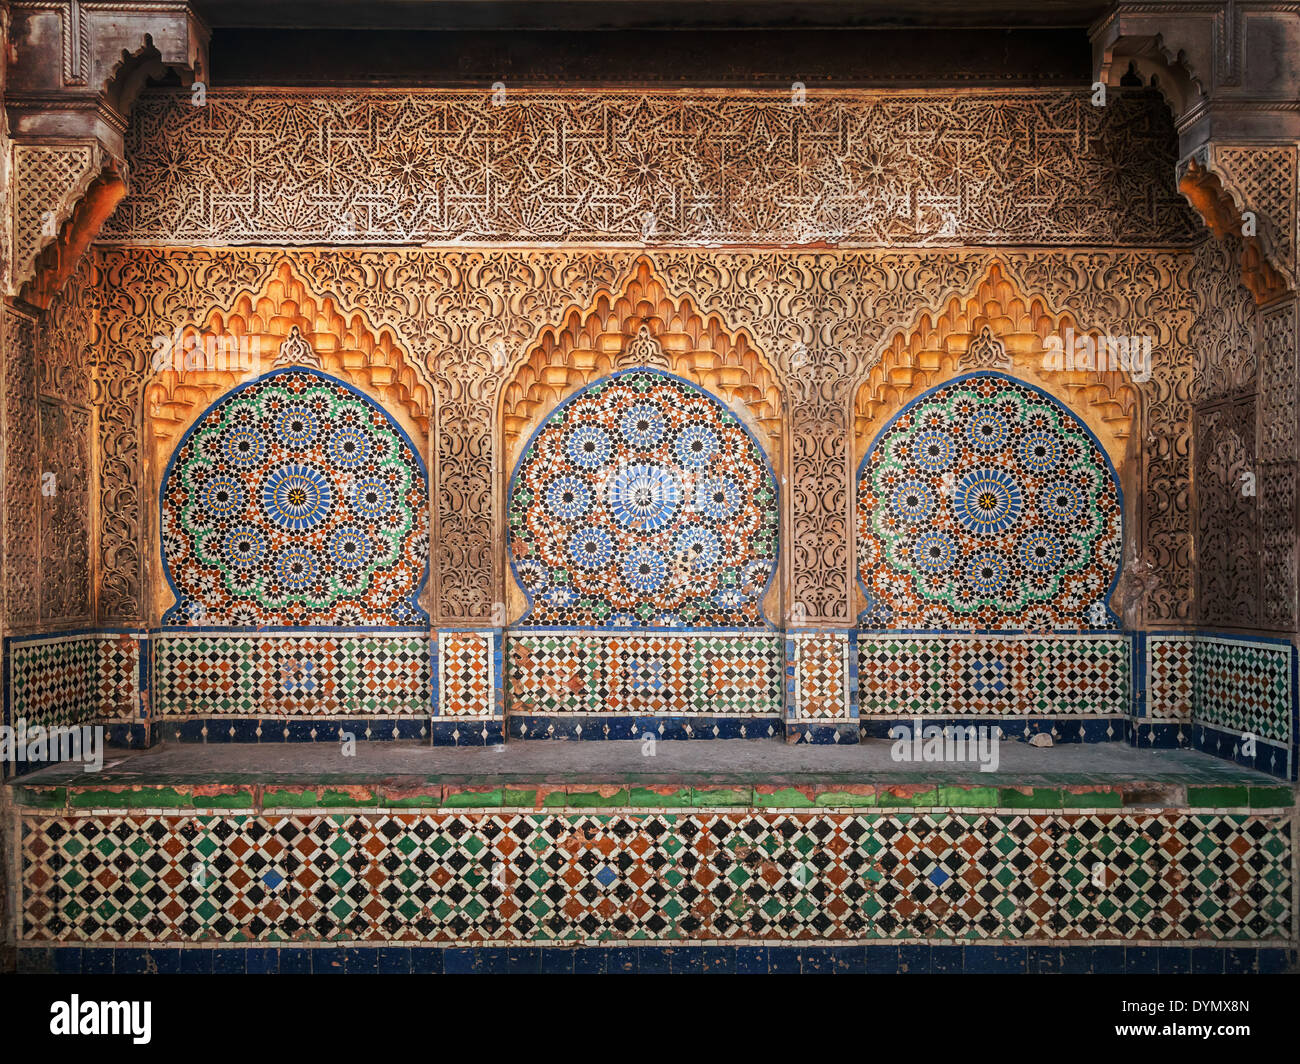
x=568, y=672
x=999, y=675
x=298, y=675
x=533, y=877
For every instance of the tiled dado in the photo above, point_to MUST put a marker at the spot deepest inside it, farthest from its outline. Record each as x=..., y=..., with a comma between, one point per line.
x=368, y=673
x=821, y=688
x=467, y=876
x=1246, y=686
x=553, y=672
x=469, y=675
x=75, y=677
x=1004, y=675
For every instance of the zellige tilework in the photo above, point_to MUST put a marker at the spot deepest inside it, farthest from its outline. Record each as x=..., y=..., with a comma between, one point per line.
x=659, y=876
x=643, y=502
x=295, y=500
x=986, y=504
x=310, y=674
x=669, y=673
x=1002, y=675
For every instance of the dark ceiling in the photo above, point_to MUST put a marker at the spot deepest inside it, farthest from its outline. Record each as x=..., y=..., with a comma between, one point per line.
x=672, y=43
x=612, y=14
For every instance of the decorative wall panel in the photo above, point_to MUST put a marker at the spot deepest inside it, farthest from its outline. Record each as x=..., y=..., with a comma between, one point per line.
x=469, y=674
x=22, y=474
x=1028, y=167
x=1004, y=675
x=286, y=674
x=987, y=504
x=643, y=502
x=1170, y=676
x=66, y=468
x=1246, y=685
x=471, y=877
x=821, y=317
x=670, y=673
x=1227, y=529
x=73, y=678
x=295, y=500
x=823, y=679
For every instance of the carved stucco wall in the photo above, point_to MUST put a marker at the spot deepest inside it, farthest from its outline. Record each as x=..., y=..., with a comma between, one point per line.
x=1074, y=205
x=49, y=466
x=821, y=318
x=1245, y=392
x=884, y=169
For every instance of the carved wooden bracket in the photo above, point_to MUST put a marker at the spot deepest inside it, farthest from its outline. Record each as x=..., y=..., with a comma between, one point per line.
x=1250, y=190
x=74, y=71
x=63, y=195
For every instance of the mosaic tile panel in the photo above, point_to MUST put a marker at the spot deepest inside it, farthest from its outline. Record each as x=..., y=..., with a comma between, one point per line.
x=658, y=876
x=295, y=501
x=1245, y=685
x=821, y=676
x=53, y=681
x=643, y=502
x=672, y=673
x=1170, y=676
x=468, y=667
x=986, y=504
x=324, y=674
x=993, y=676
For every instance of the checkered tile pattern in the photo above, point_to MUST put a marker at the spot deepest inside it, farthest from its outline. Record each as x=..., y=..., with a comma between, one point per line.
x=821, y=673
x=995, y=676
x=53, y=681
x=117, y=676
x=467, y=674
x=1244, y=686
x=214, y=674
x=567, y=672
x=1171, y=673
x=505, y=877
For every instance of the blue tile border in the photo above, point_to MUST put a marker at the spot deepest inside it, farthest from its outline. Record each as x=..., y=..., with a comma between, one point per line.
x=600, y=726
x=880, y=958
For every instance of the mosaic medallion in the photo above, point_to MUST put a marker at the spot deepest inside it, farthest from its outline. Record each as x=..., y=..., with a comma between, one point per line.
x=643, y=502
x=295, y=500
x=987, y=504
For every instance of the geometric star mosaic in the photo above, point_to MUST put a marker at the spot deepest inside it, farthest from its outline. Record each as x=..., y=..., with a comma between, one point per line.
x=643, y=502
x=295, y=501
x=986, y=504
x=500, y=876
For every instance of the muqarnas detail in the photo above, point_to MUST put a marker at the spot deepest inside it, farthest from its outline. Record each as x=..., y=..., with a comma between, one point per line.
x=295, y=500
x=643, y=502
x=986, y=504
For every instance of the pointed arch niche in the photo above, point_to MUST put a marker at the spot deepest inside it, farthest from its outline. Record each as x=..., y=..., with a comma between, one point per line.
x=640, y=327
x=282, y=326
x=996, y=328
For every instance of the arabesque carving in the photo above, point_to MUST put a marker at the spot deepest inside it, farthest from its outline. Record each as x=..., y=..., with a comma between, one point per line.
x=996, y=327
x=641, y=326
